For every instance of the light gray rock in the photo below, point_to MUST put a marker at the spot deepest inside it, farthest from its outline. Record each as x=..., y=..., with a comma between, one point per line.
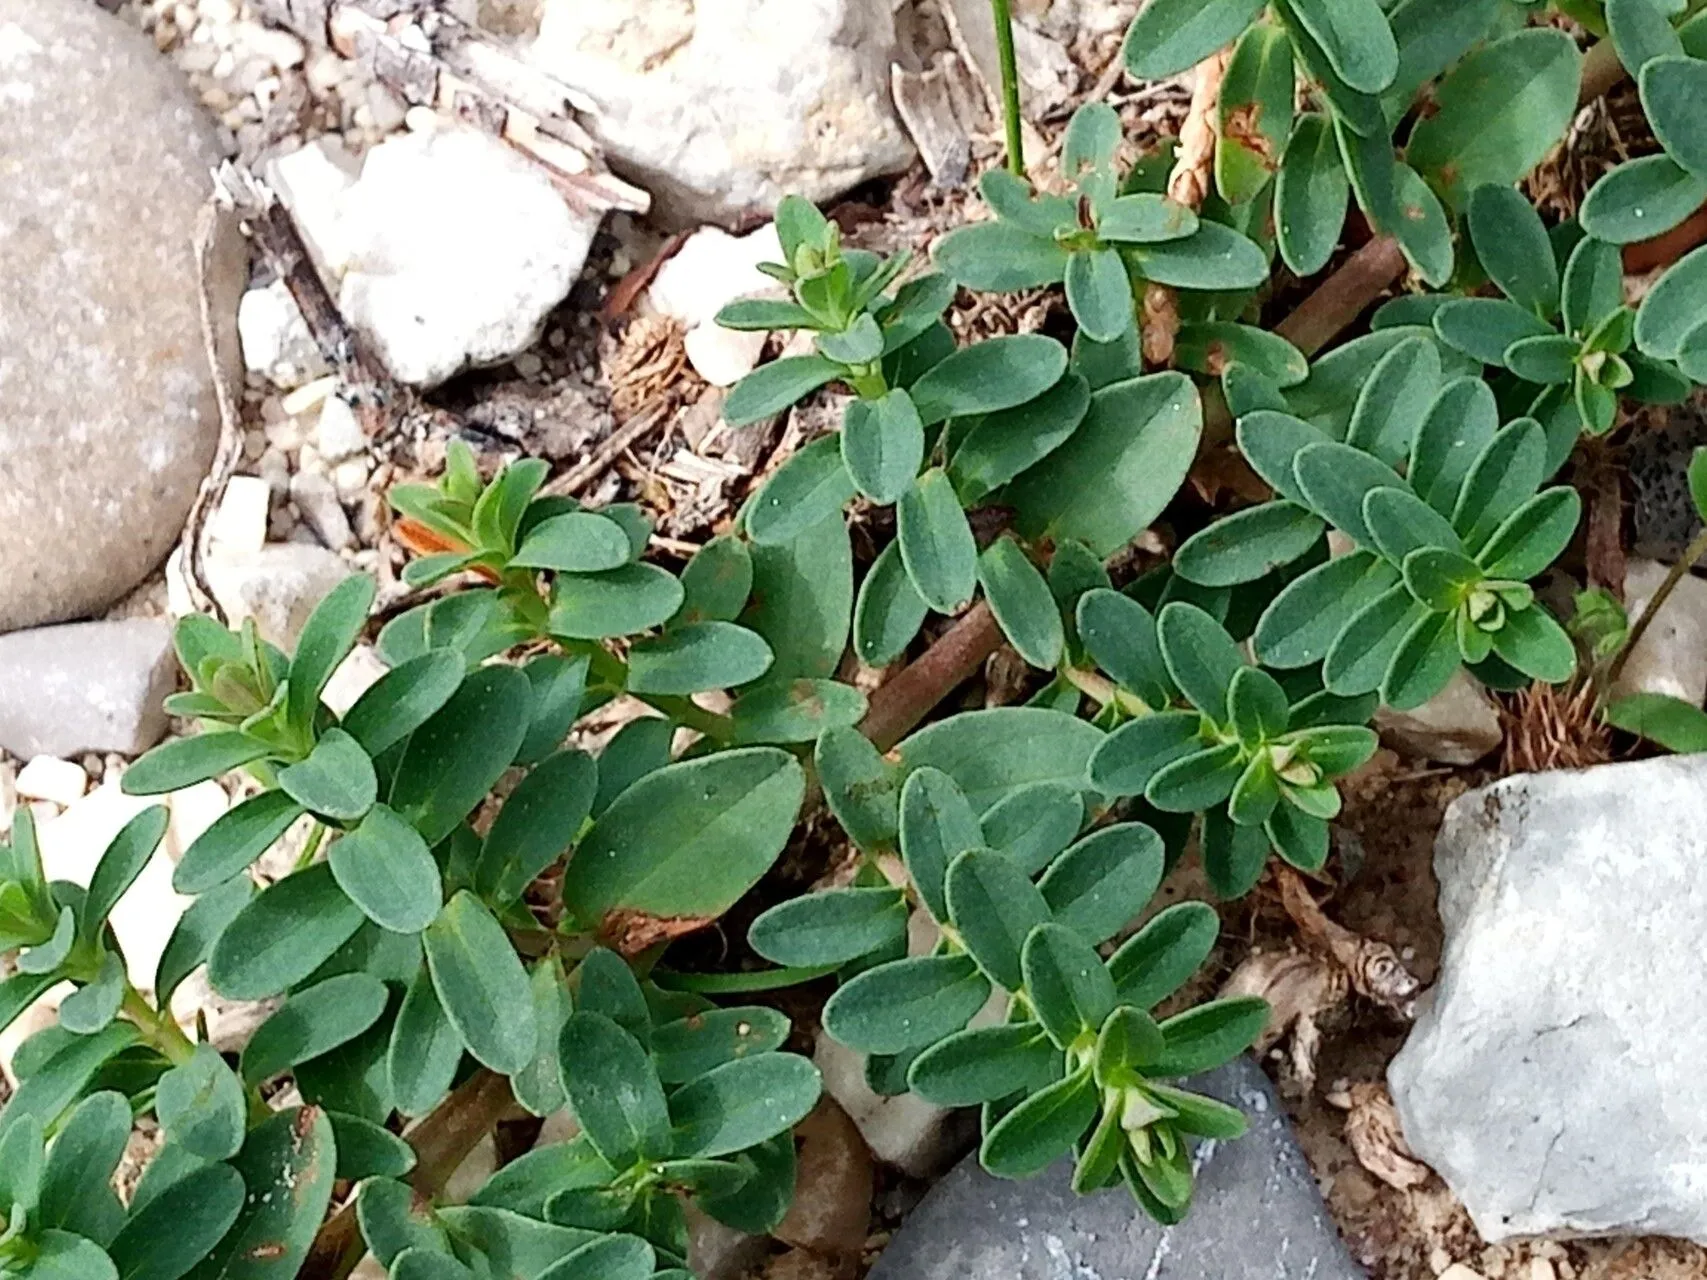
x=721, y=107
x=1553, y=1078
x=108, y=417
x=1671, y=657
x=1459, y=725
x=448, y=251
x=278, y=586
x=85, y=686
x=1256, y=1216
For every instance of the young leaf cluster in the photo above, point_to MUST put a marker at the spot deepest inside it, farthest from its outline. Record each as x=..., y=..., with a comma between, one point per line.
x=1014, y=1010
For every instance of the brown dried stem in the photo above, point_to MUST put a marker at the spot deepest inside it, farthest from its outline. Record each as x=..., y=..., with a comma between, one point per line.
x=1190, y=181
x=900, y=705
x=442, y=1142
x=1375, y=970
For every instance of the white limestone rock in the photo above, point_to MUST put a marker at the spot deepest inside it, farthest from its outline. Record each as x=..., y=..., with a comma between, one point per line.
x=709, y=271
x=1459, y=725
x=1553, y=1078
x=448, y=251
x=721, y=107
x=1671, y=657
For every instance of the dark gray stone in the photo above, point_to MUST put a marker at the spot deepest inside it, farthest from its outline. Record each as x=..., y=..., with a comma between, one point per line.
x=1257, y=1216
x=1663, y=518
x=87, y=686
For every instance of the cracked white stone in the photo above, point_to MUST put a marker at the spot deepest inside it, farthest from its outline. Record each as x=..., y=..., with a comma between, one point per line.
x=1553, y=1077
x=447, y=252
x=719, y=109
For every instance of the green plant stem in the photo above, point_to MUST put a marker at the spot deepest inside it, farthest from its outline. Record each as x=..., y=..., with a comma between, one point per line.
x=1003, y=17
x=309, y=850
x=614, y=672
x=1692, y=553
x=157, y=1027
x=1094, y=684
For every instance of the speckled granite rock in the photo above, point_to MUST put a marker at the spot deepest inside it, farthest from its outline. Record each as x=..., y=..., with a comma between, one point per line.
x=108, y=417
x=1663, y=519
x=1257, y=1216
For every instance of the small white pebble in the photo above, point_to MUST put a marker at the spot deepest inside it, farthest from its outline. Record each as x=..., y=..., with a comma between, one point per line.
x=239, y=523
x=50, y=778
x=309, y=397
x=337, y=433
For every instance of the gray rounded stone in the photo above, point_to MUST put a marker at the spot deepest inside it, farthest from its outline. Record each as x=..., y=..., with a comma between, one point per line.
x=108, y=418
x=1257, y=1215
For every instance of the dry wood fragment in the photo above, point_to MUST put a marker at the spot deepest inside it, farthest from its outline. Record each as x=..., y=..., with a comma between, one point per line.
x=1373, y=1133
x=192, y=546
x=1374, y=968
x=379, y=402
x=1189, y=183
x=431, y=58
x=1302, y=990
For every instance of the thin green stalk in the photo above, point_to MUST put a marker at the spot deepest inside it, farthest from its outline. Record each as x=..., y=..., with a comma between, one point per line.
x=1010, y=85
x=157, y=1027
x=306, y=858
x=1674, y=575
x=614, y=672
x=1095, y=685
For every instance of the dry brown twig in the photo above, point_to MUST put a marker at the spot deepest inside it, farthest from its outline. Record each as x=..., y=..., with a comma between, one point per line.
x=1189, y=184
x=1373, y=1133
x=1374, y=968
x=228, y=453
x=431, y=58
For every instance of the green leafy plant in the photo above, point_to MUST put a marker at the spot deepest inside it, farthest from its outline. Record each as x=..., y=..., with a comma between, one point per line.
x=1094, y=238
x=1562, y=325
x=1062, y=1053
x=1662, y=45
x=1258, y=764
x=457, y=913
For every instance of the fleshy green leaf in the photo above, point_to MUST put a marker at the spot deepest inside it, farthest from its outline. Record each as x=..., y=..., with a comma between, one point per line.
x=741, y=1104
x=688, y=839
x=614, y=1090
x=906, y=1004
x=327, y=638
x=1170, y=36
x=1118, y=470
x=313, y=1021
x=1512, y=246
x=937, y=546
x=201, y=1106
x=1500, y=111
x=387, y=870
x=1210, y=1035
x=994, y=906
x=481, y=984
x=1310, y=196
x=1022, y=603
x=283, y=935
x=336, y=780
x=771, y=388
x=1640, y=199
x=453, y=759
x=992, y=375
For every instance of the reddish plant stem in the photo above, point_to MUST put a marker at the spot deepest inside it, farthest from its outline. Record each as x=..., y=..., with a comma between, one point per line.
x=1362, y=278
x=898, y=706
x=442, y=1142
